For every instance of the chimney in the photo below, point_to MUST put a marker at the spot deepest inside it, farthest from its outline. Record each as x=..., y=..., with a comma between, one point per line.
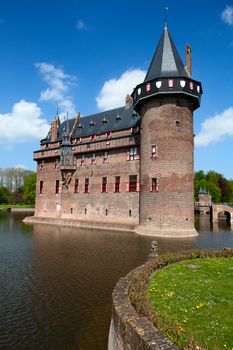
x=54, y=128
x=128, y=101
x=188, y=59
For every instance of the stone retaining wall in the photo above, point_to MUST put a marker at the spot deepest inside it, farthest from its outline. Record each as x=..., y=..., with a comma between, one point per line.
x=128, y=330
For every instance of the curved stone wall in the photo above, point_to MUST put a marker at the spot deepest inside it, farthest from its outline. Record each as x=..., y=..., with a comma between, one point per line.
x=130, y=331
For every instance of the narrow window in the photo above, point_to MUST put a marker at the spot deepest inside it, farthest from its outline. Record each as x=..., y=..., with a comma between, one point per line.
x=41, y=190
x=104, y=187
x=177, y=125
x=154, y=185
x=93, y=159
x=85, y=210
x=57, y=187
x=82, y=161
x=106, y=212
x=76, y=186
x=154, y=151
x=86, y=185
x=130, y=213
x=71, y=210
x=117, y=187
x=105, y=157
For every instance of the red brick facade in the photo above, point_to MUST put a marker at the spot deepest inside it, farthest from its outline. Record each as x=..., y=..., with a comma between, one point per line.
x=74, y=201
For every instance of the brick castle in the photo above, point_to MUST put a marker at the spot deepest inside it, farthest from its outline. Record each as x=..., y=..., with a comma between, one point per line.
x=130, y=167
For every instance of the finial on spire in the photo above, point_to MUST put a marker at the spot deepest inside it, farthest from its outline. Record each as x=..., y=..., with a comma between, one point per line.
x=57, y=109
x=165, y=17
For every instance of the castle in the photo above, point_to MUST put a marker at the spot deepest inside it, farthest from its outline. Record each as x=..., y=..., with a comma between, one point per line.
x=130, y=167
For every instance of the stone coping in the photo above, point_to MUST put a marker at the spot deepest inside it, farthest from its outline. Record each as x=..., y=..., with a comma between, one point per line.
x=129, y=330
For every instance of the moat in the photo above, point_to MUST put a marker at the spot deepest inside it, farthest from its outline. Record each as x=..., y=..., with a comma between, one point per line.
x=56, y=282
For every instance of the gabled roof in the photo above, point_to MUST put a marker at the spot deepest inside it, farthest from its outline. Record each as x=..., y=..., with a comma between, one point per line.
x=166, y=60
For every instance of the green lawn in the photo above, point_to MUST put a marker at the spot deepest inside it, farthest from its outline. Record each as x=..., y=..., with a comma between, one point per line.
x=195, y=303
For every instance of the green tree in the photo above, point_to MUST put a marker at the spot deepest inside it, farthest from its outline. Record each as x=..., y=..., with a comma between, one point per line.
x=5, y=195
x=29, y=188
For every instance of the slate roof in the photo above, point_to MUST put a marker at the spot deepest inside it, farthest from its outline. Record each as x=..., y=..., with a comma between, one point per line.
x=166, y=60
x=114, y=120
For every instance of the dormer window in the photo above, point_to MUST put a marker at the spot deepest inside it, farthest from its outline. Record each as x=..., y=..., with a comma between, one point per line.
x=134, y=114
x=118, y=118
x=92, y=123
x=104, y=121
x=80, y=126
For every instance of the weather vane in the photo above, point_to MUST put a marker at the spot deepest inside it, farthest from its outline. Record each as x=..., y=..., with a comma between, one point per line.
x=165, y=16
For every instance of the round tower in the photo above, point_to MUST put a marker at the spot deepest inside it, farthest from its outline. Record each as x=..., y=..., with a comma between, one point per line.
x=166, y=101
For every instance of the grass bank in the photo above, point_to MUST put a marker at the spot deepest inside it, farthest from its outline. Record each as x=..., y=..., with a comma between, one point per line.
x=193, y=301
x=7, y=206
x=189, y=297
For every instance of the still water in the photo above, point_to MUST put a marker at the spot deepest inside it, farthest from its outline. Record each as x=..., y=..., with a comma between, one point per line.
x=56, y=282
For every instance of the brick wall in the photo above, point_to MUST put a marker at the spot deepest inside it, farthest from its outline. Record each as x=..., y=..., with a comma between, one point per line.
x=168, y=124
x=95, y=205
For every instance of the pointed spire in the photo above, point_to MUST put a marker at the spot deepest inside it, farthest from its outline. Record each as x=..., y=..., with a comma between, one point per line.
x=165, y=16
x=166, y=61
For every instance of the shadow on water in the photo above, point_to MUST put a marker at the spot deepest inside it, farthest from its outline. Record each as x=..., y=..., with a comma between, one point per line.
x=56, y=282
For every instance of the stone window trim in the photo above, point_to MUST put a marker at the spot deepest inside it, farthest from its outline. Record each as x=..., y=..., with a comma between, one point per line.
x=117, y=184
x=133, y=185
x=154, y=184
x=86, y=186
x=105, y=157
x=133, y=153
x=104, y=185
x=154, y=151
x=92, y=137
x=82, y=160
x=76, y=186
x=134, y=130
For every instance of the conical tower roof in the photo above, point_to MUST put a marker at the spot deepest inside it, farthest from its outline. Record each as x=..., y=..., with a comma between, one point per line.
x=166, y=61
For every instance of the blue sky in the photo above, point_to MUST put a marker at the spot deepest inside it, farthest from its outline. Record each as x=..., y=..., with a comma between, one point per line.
x=87, y=55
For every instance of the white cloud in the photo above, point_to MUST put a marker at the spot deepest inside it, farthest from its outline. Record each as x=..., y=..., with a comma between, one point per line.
x=23, y=123
x=215, y=129
x=227, y=15
x=59, y=87
x=113, y=92
x=80, y=24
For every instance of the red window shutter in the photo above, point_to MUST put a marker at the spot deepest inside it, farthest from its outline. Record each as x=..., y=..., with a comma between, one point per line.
x=114, y=189
x=110, y=134
x=80, y=163
x=94, y=137
x=128, y=156
x=90, y=161
x=120, y=187
x=138, y=187
x=106, y=187
x=127, y=187
x=95, y=161
x=101, y=188
x=78, y=188
x=157, y=188
x=131, y=130
x=138, y=156
x=88, y=188
x=151, y=189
